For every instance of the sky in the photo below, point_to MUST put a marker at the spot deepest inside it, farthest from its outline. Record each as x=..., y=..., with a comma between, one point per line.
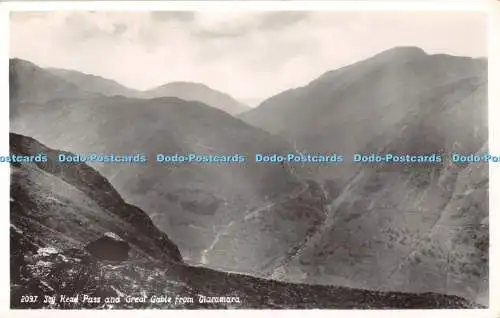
x=249, y=55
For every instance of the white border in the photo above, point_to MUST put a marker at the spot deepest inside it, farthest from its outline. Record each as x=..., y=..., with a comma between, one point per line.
x=494, y=145
x=4, y=169
x=492, y=7
x=361, y=5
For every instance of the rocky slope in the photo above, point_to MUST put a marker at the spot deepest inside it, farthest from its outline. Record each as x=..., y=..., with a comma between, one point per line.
x=56, y=210
x=430, y=234
x=453, y=256
x=73, y=204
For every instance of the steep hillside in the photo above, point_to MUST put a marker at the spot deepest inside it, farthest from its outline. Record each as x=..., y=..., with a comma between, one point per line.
x=198, y=92
x=420, y=230
x=73, y=204
x=57, y=209
x=453, y=256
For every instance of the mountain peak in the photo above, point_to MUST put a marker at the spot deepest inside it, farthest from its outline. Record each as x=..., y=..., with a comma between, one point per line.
x=402, y=52
x=195, y=91
x=185, y=83
x=17, y=62
x=409, y=49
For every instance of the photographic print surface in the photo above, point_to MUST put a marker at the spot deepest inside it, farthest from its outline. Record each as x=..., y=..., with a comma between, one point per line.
x=248, y=160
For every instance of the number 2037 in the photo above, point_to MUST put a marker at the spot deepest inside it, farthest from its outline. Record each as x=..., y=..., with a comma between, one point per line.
x=29, y=299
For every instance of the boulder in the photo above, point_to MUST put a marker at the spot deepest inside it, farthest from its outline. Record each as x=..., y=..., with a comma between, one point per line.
x=109, y=247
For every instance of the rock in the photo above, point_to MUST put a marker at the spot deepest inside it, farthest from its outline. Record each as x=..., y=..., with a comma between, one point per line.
x=109, y=247
x=45, y=251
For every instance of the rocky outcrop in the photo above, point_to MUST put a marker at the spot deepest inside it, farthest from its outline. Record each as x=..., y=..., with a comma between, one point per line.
x=109, y=247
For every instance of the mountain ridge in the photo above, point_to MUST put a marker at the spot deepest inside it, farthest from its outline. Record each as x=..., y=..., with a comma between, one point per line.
x=94, y=84
x=197, y=92
x=398, y=53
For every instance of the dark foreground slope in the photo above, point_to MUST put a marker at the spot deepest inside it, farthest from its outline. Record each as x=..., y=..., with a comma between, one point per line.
x=57, y=209
x=72, y=204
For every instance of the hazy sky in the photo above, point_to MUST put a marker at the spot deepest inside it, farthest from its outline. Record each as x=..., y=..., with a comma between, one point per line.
x=245, y=54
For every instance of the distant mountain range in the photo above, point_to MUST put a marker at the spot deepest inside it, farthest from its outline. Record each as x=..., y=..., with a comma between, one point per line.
x=188, y=91
x=198, y=92
x=389, y=227
x=92, y=83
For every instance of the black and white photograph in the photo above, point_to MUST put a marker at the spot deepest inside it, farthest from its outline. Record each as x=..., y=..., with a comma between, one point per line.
x=289, y=159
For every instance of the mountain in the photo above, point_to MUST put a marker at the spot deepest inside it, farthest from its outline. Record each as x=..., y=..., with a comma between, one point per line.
x=58, y=210
x=397, y=226
x=374, y=96
x=88, y=84
x=92, y=83
x=29, y=84
x=198, y=92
